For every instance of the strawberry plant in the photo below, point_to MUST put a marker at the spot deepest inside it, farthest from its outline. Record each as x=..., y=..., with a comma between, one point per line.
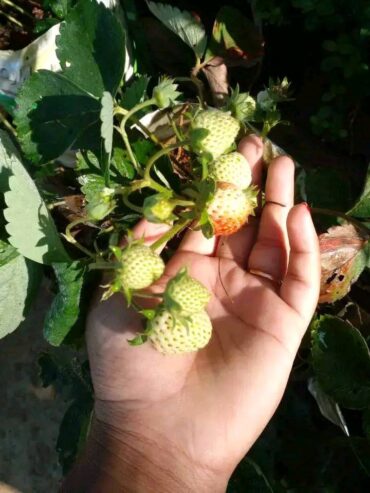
x=164, y=148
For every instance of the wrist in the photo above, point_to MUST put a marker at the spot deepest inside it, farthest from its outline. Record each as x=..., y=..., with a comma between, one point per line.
x=118, y=460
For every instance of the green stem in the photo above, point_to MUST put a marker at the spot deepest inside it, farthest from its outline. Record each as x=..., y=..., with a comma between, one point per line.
x=199, y=84
x=129, y=204
x=174, y=127
x=177, y=228
x=71, y=239
x=357, y=224
x=139, y=184
x=52, y=205
x=148, y=295
x=255, y=130
x=11, y=19
x=158, y=155
x=8, y=125
x=129, y=114
x=104, y=266
x=121, y=111
x=183, y=203
x=16, y=7
x=204, y=164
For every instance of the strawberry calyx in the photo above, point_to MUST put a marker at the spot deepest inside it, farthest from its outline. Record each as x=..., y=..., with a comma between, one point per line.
x=165, y=94
x=185, y=295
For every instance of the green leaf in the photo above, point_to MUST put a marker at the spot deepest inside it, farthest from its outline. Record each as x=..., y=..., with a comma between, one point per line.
x=328, y=188
x=71, y=378
x=43, y=25
x=58, y=111
x=341, y=361
x=106, y=117
x=135, y=93
x=366, y=423
x=235, y=36
x=14, y=281
x=87, y=162
x=91, y=48
x=328, y=407
x=92, y=185
x=52, y=114
x=249, y=477
x=7, y=103
x=183, y=24
x=143, y=149
x=65, y=309
x=7, y=253
x=59, y=7
x=62, y=369
x=361, y=449
x=362, y=206
x=74, y=431
x=121, y=166
x=31, y=229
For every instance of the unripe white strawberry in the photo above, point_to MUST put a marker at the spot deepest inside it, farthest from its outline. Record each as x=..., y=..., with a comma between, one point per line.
x=185, y=294
x=140, y=267
x=231, y=168
x=230, y=208
x=171, y=335
x=222, y=131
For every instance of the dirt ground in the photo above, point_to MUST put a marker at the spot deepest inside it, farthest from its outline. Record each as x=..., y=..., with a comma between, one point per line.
x=29, y=415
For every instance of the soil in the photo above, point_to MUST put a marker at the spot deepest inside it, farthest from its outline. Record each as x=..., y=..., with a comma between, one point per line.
x=29, y=414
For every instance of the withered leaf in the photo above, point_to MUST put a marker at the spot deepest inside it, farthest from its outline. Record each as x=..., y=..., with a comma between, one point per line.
x=343, y=258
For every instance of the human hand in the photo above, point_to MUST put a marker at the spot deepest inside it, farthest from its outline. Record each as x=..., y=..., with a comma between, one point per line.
x=187, y=420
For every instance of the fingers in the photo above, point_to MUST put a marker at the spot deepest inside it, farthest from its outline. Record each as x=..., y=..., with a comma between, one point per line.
x=252, y=149
x=149, y=232
x=270, y=253
x=301, y=286
x=196, y=242
x=237, y=246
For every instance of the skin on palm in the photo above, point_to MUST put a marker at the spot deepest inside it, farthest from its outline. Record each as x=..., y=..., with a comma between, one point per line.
x=212, y=405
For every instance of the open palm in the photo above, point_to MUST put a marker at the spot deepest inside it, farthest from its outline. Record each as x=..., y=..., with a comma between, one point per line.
x=213, y=404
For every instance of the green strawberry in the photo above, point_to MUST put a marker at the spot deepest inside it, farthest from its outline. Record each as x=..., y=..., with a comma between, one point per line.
x=222, y=131
x=241, y=105
x=231, y=168
x=140, y=267
x=170, y=335
x=158, y=208
x=230, y=207
x=101, y=204
x=185, y=295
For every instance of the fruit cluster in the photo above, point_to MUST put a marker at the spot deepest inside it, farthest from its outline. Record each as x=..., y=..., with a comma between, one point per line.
x=233, y=201
x=217, y=198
